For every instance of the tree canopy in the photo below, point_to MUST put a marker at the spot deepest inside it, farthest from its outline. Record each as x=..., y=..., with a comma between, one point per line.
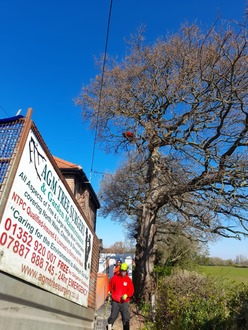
x=180, y=107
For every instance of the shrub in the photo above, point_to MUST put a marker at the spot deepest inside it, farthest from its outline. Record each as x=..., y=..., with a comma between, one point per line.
x=188, y=300
x=237, y=304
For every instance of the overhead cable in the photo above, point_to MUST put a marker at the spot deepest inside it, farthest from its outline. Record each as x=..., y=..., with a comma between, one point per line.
x=101, y=86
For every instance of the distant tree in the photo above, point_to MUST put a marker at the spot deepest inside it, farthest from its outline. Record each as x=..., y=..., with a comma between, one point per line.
x=216, y=261
x=181, y=251
x=181, y=104
x=119, y=248
x=241, y=260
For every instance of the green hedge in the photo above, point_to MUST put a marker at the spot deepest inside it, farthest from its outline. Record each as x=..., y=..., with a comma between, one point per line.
x=189, y=301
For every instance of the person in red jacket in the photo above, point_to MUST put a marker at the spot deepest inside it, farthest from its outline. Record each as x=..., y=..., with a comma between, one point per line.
x=121, y=289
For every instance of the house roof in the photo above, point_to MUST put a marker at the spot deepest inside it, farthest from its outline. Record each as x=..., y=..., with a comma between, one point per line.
x=65, y=164
x=67, y=167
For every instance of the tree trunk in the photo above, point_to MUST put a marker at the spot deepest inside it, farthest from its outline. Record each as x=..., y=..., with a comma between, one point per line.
x=145, y=256
x=146, y=247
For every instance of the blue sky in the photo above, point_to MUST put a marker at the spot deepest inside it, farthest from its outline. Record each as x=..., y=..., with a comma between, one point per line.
x=47, y=54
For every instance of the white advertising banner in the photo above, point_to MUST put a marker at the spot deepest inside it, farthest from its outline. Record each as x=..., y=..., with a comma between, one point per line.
x=43, y=237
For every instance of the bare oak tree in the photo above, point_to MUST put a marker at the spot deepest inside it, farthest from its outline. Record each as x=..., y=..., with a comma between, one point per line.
x=181, y=104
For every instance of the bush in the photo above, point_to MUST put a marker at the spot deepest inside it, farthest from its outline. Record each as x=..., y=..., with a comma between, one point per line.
x=237, y=305
x=191, y=301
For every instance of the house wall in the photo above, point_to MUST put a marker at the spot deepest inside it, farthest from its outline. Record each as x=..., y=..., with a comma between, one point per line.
x=83, y=197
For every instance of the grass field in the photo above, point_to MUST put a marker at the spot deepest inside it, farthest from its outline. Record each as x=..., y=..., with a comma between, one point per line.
x=227, y=273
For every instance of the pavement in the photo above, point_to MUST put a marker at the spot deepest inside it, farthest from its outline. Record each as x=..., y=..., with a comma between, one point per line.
x=102, y=315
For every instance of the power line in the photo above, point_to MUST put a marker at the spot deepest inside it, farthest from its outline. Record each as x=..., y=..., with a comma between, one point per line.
x=101, y=86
